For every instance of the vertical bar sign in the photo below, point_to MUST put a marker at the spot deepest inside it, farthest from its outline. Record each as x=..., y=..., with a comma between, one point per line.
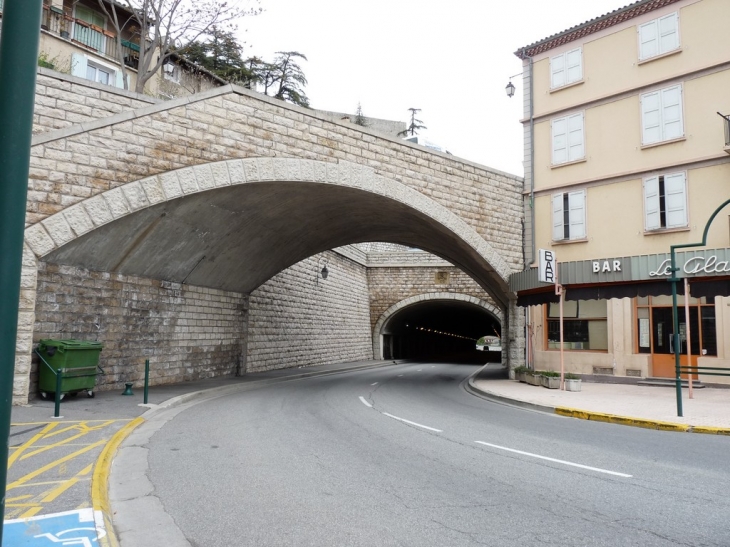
x=547, y=266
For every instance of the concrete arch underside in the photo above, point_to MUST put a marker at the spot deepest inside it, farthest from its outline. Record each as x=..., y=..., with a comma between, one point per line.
x=232, y=225
x=395, y=309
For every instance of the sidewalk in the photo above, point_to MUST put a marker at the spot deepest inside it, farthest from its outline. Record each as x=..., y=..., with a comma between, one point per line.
x=643, y=406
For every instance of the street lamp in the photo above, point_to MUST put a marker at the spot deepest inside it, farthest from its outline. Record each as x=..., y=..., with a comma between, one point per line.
x=510, y=89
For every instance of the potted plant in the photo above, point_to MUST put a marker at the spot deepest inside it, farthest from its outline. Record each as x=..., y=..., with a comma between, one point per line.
x=550, y=379
x=520, y=373
x=572, y=382
x=532, y=377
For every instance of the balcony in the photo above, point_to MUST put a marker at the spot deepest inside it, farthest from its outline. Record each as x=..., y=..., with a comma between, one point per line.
x=87, y=36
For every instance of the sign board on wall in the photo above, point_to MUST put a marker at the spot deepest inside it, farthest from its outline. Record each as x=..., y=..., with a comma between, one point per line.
x=547, y=266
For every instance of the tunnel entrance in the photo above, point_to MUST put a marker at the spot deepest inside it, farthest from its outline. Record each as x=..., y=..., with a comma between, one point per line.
x=440, y=330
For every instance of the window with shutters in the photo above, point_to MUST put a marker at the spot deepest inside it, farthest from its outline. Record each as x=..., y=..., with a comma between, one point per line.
x=661, y=115
x=569, y=216
x=659, y=36
x=568, y=139
x=566, y=68
x=665, y=202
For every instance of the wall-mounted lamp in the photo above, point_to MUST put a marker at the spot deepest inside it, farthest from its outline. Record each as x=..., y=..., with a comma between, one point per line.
x=325, y=272
x=510, y=87
x=322, y=272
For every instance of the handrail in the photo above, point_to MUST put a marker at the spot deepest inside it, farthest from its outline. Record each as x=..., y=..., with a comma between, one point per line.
x=58, y=374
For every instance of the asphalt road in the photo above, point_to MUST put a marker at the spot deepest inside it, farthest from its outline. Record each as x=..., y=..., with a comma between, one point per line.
x=403, y=455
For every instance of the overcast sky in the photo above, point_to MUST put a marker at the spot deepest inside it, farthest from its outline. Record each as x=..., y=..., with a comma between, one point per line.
x=450, y=59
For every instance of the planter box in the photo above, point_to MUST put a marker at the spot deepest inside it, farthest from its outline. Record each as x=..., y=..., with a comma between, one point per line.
x=533, y=380
x=550, y=382
x=572, y=385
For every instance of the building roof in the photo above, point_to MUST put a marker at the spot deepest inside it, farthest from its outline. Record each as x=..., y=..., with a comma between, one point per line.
x=593, y=25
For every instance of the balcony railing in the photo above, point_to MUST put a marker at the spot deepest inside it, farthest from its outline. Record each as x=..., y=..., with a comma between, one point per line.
x=90, y=37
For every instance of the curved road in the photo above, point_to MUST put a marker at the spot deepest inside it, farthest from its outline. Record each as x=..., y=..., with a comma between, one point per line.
x=403, y=455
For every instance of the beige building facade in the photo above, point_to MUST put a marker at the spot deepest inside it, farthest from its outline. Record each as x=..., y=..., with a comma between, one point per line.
x=625, y=156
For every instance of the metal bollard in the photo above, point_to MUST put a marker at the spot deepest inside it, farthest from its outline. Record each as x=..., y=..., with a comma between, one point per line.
x=146, y=379
x=57, y=410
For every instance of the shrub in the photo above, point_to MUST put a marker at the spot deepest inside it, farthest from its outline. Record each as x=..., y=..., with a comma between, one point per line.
x=571, y=376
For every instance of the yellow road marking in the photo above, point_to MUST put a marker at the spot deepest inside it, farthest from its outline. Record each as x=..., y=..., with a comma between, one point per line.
x=85, y=431
x=31, y=512
x=23, y=497
x=100, y=481
x=53, y=494
x=59, y=462
x=15, y=455
x=65, y=422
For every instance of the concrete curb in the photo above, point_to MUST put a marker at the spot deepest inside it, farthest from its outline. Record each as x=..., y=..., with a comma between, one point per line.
x=596, y=416
x=100, y=480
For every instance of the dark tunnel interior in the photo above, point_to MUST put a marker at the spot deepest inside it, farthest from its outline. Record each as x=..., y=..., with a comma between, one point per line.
x=444, y=331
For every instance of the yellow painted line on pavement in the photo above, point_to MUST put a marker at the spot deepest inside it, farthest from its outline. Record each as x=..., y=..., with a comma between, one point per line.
x=85, y=431
x=100, y=481
x=21, y=481
x=639, y=422
x=18, y=498
x=31, y=512
x=53, y=494
x=27, y=444
x=18, y=424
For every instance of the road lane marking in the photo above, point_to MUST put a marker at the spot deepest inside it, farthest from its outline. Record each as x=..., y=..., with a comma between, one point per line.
x=30, y=442
x=365, y=402
x=374, y=384
x=400, y=375
x=599, y=470
x=412, y=423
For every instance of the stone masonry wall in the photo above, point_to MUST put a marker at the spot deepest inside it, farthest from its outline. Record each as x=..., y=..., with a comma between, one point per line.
x=299, y=319
x=186, y=332
x=388, y=286
x=63, y=101
x=230, y=123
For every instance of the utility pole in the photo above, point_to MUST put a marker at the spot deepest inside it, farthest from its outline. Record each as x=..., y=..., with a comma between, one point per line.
x=18, y=65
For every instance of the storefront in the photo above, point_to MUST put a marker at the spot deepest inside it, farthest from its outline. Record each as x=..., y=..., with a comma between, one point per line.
x=618, y=314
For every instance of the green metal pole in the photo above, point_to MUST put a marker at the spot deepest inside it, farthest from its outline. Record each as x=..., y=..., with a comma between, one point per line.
x=146, y=379
x=57, y=399
x=675, y=339
x=18, y=64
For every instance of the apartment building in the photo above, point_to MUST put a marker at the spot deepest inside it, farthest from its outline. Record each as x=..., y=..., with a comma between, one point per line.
x=78, y=38
x=627, y=152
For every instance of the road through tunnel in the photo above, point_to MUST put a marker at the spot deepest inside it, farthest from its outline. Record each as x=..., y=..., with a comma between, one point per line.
x=440, y=330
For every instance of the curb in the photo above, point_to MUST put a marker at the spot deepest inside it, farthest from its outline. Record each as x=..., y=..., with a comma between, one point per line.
x=597, y=416
x=100, y=480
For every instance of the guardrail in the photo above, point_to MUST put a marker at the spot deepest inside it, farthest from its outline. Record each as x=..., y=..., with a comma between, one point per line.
x=699, y=370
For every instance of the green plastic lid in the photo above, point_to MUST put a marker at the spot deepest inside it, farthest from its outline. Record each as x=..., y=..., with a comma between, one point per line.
x=70, y=344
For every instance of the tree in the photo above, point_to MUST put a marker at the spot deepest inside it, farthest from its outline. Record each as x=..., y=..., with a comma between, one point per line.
x=285, y=78
x=163, y=26
x=222, y=55
x=360, y=117
x=415, y=124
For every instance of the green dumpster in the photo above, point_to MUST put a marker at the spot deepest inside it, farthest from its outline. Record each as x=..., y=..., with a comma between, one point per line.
x=77, y=361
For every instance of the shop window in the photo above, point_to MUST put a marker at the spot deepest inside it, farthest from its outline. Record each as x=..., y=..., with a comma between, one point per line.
x=709, y=332
x=585, y=325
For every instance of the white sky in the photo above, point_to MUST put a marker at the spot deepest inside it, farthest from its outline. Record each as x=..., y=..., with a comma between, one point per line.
x=450, y=59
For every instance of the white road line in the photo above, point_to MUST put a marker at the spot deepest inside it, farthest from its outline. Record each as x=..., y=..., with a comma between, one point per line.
x=400, y=375
x=365, y=402
x=555, y=460
x=412, y=423
x=419, y=370
x=374, y=384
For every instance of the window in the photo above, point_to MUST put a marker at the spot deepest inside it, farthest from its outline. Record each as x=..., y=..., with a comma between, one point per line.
x=567, y=135
x=83, y=31
x=171, y=72
x=585, y=325
x=569, y=216
x=83, y=67
x=661, y=115
x=566, y=68
x=665, y=202
x=659, y=36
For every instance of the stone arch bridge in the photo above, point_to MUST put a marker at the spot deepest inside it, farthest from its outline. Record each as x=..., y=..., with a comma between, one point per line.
x=171, y=230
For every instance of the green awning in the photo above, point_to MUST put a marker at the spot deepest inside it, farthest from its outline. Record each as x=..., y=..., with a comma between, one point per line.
x=130, y=45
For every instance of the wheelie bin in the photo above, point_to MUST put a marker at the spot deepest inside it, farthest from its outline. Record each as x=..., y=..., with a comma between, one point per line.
x=77, y=361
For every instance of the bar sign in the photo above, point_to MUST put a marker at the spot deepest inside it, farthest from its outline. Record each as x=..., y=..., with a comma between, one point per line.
x=547, y=266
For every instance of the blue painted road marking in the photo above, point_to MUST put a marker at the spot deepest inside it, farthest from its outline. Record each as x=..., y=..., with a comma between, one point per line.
x=83, y=527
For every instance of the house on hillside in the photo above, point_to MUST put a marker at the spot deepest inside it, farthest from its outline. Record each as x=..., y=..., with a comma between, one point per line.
x=78, y=38
x=625, y=156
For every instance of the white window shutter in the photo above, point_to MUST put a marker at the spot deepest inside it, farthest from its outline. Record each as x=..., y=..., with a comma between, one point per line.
x=577, y=214
x=671, y=113
x=668, y=30
x=651, y=121
x=78, y=65
x=557, y=71
x=651, y=204
x=558, y=231
x=576, y=148
x=648, y=40
x=560, y=140
x=675, y=200
x=574, y=66
x=118, y=80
